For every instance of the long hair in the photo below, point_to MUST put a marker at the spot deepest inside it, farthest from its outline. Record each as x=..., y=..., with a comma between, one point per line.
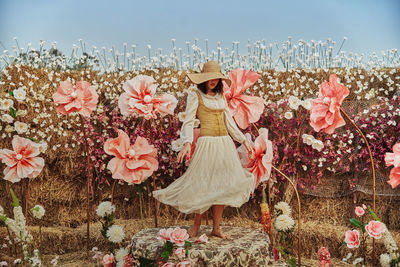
x=217, y=89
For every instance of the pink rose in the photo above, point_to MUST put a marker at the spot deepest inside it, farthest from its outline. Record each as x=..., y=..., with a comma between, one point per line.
x=375, y=229
x=178, y=236
x=183, y=264
x=180, y=252
x=165, y=234
x=352, y=239
x=203, y=238
x=359, y=211
x=108, y=260
x=168, y=264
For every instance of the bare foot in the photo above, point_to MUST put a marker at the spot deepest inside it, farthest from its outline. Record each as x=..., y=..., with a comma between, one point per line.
x=193, y=230
x=220, y=234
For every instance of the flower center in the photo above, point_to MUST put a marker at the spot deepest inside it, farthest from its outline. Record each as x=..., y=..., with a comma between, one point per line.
x=73, y=94
x=147, y=99
x=327, y=100
x=18, y=156
x=131, y=153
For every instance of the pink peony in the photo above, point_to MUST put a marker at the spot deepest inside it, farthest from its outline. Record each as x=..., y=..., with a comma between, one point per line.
x=352, y=239
x=81, y=98
x=165, y=234
x=180, y=252
x=178, y=236
x=22, y=161
x=132, y=163
x=359, y=211
x=203, y=238
x=325, y=113
x=139, y=99
x=261, y=164
x=245, y=109
x=108, y=260
x=168, y=264
x=375, y=229
x=183, y=264
x=394, y=159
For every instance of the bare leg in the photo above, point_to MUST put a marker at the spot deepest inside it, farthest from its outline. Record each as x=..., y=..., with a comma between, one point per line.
x=217, y=218
x=196, y=225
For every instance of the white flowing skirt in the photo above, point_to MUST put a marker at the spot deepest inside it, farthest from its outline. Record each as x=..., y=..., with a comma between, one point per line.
x=214, y=176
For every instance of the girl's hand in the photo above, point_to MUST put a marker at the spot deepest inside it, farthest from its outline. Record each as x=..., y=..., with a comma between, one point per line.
x=249, y=149
x=185, y=151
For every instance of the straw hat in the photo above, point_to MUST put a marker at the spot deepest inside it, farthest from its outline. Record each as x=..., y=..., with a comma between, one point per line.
x=211, y=70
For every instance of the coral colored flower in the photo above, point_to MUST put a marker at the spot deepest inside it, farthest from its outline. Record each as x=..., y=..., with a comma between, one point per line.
x=132, y=163
x=108, y=260
x=352, y=239
x=394, y=159
x=261, y=164
x=81, y=98
x=203, y=238
x=394, y=177
x=22, y=161
x=183, y=264
x=139, y=99
x=359, y=211
x=325, y=113
x=180, y=252
x=178, y=236
x=165, y=234
x=245, y=109
x=375, y=229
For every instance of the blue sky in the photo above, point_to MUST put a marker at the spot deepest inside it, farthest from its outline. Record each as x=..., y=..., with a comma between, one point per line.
x=370, y=25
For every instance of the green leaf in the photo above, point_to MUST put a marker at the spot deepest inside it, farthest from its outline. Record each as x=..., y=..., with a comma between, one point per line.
x=165, y=255
x=11, y=93
x=3, y=218
x=13, y=113
x=187, y=243
x=356, y=223
x=15, y=199
x=370, y=211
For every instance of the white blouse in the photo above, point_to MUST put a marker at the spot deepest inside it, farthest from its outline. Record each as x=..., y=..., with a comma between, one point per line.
x=214, y=102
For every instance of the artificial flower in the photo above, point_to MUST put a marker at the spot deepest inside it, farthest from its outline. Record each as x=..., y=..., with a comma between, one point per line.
x=352, y=238
x=105, y=208
x=115, y=234
x=178, y=236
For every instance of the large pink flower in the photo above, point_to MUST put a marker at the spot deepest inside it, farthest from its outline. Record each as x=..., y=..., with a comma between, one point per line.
x=352, y=239
x=325, y=113
x=81, y=98
x=245, y=109
x=178, y=236
x=165, y=234
x=132, y=163
x=394, y=159
x=261, y=164
x=139, y=99
x=23, y=162
x=375, y=229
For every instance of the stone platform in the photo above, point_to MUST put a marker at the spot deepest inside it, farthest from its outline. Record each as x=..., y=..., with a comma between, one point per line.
x=247, y=247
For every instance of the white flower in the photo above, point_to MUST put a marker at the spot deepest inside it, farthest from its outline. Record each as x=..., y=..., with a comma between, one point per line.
x=19, y=94
x=385, y=260
x=284, y=223
x=317, y=144
x=38, y=211
x=177, y=145
x=17, y=261
x=20, y=127
x=22, y=112
x=115, y=234
x=294, y=102
x=307, y=104
x=9, y=129
x=6, y=104
x=7, y=118
x=181, y=116
x=120, y=254
x=308, y=139
x=105, y=208
x=288, y=115
x=283, y=207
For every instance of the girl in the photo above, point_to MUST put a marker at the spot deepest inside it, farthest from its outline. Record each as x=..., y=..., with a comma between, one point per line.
x=215, y=176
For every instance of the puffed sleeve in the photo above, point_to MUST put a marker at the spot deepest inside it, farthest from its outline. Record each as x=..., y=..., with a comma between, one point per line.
x=192, y=103
x=231, y=126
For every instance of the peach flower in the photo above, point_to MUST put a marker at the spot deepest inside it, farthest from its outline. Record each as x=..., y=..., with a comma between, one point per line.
x=180, y=252
x=261, y=164
x=178, y=236
x=81, y=98
x=132, y=163
x=394, y=159
x=245, y=109
x=108, y=260
x=22, y=161
x=165, y=234
x=325, y=113
x=139, y=99
x=183, y=264
x=203, y=238
x=359, y=211
x=375, y=229
x=352, y=239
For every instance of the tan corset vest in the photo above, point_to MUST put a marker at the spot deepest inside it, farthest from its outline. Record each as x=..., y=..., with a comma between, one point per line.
x=211, y=120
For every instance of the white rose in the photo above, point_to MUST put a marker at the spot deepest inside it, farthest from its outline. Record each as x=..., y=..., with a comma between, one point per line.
x=317, y=144
x=6, y=104
x=19, y=94
x=288, y=115
x=7, y=118
x=294, y=102
x=177, y=145
x=9, y=129
x=20, y=127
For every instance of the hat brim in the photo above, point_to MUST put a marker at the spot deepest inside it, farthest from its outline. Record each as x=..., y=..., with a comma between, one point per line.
x=198, y=78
